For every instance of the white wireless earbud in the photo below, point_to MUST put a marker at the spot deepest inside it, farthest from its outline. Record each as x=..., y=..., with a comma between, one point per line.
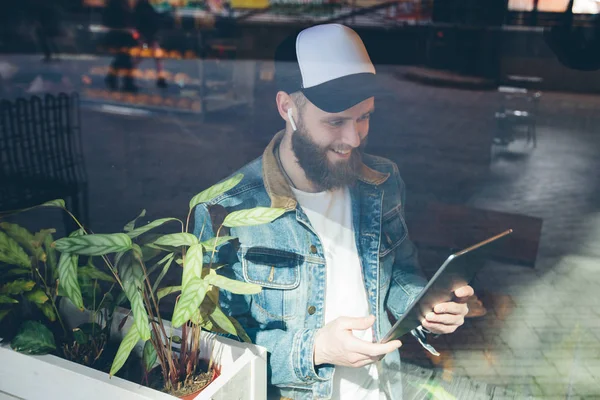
x=292, y=120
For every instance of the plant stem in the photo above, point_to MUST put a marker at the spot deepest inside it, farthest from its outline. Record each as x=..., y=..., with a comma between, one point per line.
x=51, y=298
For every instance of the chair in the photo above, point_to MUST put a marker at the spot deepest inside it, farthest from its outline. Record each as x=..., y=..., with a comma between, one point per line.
x=41, y=157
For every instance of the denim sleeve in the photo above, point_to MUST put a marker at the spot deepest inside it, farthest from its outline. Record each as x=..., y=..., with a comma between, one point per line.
x=290, y=352
x=407, y=277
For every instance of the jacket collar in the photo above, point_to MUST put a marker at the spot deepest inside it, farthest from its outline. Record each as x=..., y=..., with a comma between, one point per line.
x=278, y=188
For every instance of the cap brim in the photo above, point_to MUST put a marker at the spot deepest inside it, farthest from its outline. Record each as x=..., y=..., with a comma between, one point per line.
x=343, y=93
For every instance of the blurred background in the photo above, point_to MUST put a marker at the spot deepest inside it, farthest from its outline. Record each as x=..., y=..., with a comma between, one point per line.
x=123, y=105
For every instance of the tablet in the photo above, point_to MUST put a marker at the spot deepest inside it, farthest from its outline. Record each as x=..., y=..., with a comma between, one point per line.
x=440, y=288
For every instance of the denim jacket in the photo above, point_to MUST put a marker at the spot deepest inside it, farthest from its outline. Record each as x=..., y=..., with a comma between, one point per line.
x=286, y=258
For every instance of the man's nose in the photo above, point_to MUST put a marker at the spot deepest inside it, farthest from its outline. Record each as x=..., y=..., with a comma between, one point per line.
x=352, y=135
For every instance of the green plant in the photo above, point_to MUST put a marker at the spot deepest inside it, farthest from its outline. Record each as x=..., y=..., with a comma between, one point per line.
x=34, y=281
x=139, y=260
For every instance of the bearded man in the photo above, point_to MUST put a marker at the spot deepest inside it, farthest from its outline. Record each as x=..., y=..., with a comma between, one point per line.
x=340, y=259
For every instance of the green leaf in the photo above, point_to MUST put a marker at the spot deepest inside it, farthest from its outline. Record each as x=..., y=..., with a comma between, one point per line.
x=149, y=356
x=17, y=272
x=127, y=344
x=253, y=216
x=11, y=253
x=94, y=273
x=51, y=256
x=67, y=278
x=80, y=336
x=232, y=285
x=177, y=239
x=167, y=291
x=131, y=224
x=4, y=313
x=24, y=238
x=164, y=271
x=132, y=276
x=215, y=190
x=217, y=316
x=47, y=310
x=54, y=203
x=7, y=300
x=214, y=243
x=37, y=296
x=143, y=229
x=193, y=287
x=176, y=339
x=17, y=287
x=148, y=253
x=94, y=244
x=241, y=333
x=33, y=338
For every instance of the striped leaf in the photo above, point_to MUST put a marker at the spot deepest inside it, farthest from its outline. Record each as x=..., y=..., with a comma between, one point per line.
x=92, y=272
x=217, y=316
x=25, y=238
x=17, y=287
x=232, y=285
x=127, y=344
x=54, y=203
x=149, y=356
x=240, y=332
x=177, y=239
x=67, y=278
x=37, y=296
x=253, y=216
x=132, y=276
x=131, y=224
x=214, y=243
x=163, y=292
x=215, y=190
x=7, y=300
x=95, y=244
x=193, y=287
x=168, y=260
x=11, y=253
x=143, y=229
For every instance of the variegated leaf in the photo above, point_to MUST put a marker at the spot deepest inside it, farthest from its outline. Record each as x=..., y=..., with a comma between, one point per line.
x=131, y=224
x=167, y=291
x=177, y=239
x=215, y=190
x=95, y=244
x=127, y=344
x=17, y=287
x=253, y=216
x=92, y=272
x=67, y=278
x=214, y=243
x=25, y=238
x=231, y=285
x=154, y=224
x=7, y=300
x=189, y=301
x=54, y=203
x=37, y=296
x=132, y=276
x=163, y=272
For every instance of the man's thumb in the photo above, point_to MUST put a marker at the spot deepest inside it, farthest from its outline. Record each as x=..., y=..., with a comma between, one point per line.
x=359, y=324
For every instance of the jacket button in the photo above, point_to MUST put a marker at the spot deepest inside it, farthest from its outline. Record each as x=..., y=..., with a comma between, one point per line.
x=312, y=310
x=313, y=249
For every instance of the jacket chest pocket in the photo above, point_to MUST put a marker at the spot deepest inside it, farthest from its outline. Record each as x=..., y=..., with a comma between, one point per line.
x=393, y=231
x=278, y=272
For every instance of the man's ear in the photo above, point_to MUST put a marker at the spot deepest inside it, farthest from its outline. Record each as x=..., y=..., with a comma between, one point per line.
x=284, y=103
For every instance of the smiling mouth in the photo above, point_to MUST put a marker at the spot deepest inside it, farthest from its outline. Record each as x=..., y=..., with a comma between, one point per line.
x=342, y=152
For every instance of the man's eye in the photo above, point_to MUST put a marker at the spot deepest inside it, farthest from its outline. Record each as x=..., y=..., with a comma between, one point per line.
x=365, y=117
x=336, y=123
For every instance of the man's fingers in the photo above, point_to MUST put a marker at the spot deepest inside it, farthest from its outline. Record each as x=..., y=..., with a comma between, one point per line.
x=462, y=294
x=451, y=308
x=375, y=349
x=356, y=324
x=439, y=329
x=445, y=319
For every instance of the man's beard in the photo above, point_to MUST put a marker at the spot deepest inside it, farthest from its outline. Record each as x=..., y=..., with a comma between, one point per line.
x=324, y=174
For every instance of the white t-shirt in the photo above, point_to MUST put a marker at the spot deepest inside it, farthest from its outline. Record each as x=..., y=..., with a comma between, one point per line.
x=330, y=214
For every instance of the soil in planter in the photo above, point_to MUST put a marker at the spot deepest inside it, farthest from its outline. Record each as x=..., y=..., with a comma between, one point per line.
x=195, y=384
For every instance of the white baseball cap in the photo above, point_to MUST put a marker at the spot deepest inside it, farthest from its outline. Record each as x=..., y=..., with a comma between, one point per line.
x=329, y=64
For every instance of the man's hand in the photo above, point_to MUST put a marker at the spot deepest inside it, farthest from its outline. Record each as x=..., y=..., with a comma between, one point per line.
x=447, y=317
x=335, y=343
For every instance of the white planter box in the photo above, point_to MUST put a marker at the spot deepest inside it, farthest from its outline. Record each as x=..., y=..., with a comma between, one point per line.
x=243, y=376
